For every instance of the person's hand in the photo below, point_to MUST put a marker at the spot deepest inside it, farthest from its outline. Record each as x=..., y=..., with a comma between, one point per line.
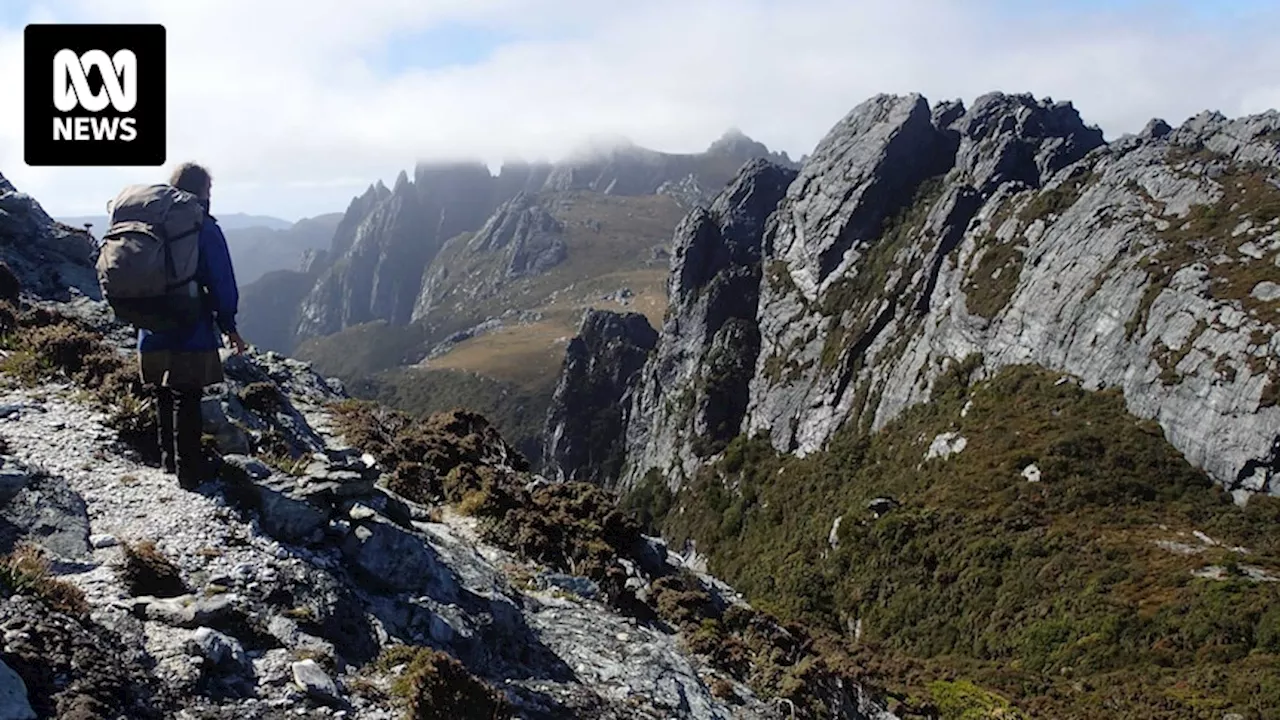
x=237, y=343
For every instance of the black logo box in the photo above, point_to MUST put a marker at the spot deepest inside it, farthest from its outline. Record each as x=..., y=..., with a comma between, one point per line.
x=41, y=43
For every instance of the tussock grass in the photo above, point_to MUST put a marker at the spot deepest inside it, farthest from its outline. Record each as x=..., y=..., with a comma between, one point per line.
x=435, y=686
x=145, y=570
x=43, y=346
x=26, y=571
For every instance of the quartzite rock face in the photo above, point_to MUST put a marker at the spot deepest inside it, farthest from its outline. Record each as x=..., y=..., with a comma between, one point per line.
x=916, y=237
x=521, y=239
x=48, y=258
x=825, y=332
x=584, y=431
x=692, y=395
x=379, y=276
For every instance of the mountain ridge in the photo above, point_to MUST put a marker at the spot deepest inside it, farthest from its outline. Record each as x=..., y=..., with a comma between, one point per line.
x=1024, y=172
x=388, y=238
x=981, y=394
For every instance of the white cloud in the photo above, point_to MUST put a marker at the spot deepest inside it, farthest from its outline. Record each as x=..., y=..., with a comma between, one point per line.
x=287, y=104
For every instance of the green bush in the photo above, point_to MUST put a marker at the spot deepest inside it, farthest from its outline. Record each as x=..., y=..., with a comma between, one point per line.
x=435, y=686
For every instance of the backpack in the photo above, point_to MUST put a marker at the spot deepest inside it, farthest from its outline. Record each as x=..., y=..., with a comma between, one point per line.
x=148, y=258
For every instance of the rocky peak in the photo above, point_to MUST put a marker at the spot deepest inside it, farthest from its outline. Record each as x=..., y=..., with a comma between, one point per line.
x=1015, y=138
x=47, y=257
x=521, y=239
x=357, y=210
x=916, y=237
x=738, y=146
x=735, y=143
x=1252, y=139
x=534, y=236
x=378, y=273
x=691, y=396
x=866, y=168
x=584, y=428
x=1155, y=129
x=402, y=185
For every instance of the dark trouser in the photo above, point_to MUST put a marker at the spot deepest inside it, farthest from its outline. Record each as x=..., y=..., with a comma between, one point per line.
x=180, y=430
x=179, y=379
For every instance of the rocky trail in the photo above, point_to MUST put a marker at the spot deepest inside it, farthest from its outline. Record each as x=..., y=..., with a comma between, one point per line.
x=278, y=607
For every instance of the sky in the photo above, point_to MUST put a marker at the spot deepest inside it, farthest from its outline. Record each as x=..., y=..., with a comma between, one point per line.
x=298, y=105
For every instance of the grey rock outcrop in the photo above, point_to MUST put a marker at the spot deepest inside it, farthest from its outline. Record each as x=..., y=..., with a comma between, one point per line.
x=14, y=704
x=521, y=239
x=48, y=258
x=864, y=235
x=314, y=681
x=44, y=510
x=584, y=431
x=692, y=394
x=1008, y=232
x=1043, y=246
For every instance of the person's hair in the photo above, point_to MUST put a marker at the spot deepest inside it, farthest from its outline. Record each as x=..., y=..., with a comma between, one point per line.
x=192, y=178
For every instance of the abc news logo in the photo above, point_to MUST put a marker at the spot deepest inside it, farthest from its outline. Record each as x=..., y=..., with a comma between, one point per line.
x=95, y=94
x=71, y=90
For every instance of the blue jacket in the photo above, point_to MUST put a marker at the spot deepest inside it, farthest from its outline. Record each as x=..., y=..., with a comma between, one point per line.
x=222, y=299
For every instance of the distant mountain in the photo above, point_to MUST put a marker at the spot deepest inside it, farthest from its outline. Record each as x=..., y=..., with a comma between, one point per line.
x=258, y=250
x=238, y=221
x=454, y=268
x=381, y=263
x=259, y=243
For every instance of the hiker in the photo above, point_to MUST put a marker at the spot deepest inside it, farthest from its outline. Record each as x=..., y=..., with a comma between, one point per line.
x=165, y=267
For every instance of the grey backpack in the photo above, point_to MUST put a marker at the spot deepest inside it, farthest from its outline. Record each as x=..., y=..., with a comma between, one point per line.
x=149, y=254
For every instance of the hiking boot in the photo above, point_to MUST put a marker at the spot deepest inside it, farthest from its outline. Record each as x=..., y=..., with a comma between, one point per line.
x=189, y=481
x=192, y=477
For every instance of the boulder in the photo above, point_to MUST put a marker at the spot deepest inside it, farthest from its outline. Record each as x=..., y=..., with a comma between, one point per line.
x=394, y=559
x=47, y=512
x=314, y=681
x=223, y=654
x=13, y=696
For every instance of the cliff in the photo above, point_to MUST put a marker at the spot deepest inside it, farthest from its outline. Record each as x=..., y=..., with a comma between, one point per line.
x=976, y=391
x=915, y=237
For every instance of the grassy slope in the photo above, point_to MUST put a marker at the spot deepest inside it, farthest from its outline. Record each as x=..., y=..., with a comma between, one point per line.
x=1052, y=594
